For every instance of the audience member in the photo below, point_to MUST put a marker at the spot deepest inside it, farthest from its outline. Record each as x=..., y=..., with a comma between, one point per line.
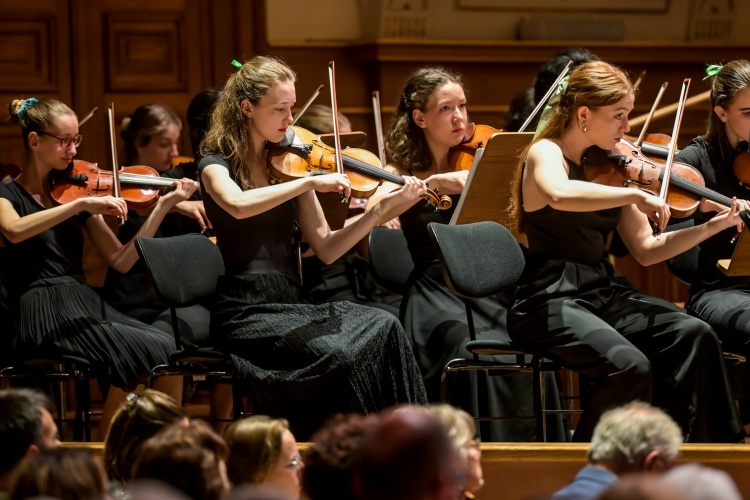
x=463, y=431
x=699, y=482
x=263, y=451
x=26, y=428
x=642, y=487
x=191, y=457
x=62, y=473
x=407, y=455
x=333, y=456
x=137, y=420
x=636, y=437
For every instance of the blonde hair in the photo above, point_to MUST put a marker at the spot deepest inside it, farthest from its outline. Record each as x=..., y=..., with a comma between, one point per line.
x=36, y=117
x=254, y=448
x=460, y=425
x=228, y=135
x=733, y=78
x=319, y=119
x=593, y=84
x=405, y=142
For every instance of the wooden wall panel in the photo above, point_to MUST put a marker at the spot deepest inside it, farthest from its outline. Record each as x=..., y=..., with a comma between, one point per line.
x=34, y=62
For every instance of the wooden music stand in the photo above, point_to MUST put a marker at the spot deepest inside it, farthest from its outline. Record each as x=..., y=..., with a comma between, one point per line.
x=487, y=192
x=739, y=264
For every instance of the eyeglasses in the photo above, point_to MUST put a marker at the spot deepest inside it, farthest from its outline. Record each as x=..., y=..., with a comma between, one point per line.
x=65, y=142
x=296, y=461
x=474, y=444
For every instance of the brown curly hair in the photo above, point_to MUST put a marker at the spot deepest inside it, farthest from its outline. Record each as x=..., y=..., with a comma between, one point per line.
x=405, y=142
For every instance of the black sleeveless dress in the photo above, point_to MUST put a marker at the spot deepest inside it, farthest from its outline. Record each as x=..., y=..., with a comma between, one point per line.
x=303, y=362
x=435, y=322
x=60, y=314
x=572, y=304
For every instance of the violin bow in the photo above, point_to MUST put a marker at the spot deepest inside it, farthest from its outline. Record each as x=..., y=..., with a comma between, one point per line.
x=642, y=135
x=88, y=116
x=307, y=104
x=335, y=111
x=378, y=127
x=115, y=168
x=638, y=80
x=672, y=145
x=696, y=99
x=546, y=97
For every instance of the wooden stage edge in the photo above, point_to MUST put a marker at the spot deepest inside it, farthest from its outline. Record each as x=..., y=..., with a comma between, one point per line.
x=533, y=470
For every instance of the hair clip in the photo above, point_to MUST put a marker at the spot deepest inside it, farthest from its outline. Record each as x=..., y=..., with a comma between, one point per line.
x=712, y=70
x=131, y=397
x=236, y=64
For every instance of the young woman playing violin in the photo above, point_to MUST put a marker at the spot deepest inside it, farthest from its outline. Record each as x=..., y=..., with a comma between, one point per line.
x=304, y=362
x=569, y=303
x=721, y=300
x=44, y=246
x=431, y=118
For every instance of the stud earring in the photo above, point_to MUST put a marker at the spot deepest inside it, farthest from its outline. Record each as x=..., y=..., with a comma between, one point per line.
x=723, y=120
x=584, y=126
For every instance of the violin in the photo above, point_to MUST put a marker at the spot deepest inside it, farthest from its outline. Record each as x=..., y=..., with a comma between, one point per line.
x=626, y=166
x=140, y=185
x=741, y=163
x=303, y=153
x=181, y=159
x=461, y=157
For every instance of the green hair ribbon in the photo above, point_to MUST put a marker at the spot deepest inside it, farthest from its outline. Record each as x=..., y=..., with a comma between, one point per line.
x=552, y=104
x=236, y=64
x=712, y=70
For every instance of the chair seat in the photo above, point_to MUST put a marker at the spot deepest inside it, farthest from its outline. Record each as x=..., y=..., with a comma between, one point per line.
x=202, y=355
x=494, y=348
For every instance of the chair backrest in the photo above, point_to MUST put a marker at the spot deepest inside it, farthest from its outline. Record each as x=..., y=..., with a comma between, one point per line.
x=685, y=265
x=478, y=259
x=390, y=260
x=183, y=269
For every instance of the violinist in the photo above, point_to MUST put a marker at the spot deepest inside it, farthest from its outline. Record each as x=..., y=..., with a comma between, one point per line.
x=431, y=118
x=348, y=278
x=303, y=362
x=58, y=312
x=151, y=135
x=720, y=300
x=569, y=303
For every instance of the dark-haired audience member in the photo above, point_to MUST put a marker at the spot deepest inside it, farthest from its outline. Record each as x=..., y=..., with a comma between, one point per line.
x=191, y=457
x=407, y=455
x=26, y=428
x=333, y=456
x=63, y=474
x=524, y=103
x=633, y=438
x=137, y=420
x=263, y=451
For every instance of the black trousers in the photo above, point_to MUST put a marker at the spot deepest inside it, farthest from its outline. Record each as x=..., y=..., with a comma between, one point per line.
x=632, y=347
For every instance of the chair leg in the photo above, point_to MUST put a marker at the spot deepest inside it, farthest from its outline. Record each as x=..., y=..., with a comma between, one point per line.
x=537, y=374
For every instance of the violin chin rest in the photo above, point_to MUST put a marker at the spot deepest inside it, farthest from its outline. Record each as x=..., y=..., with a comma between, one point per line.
x=288, y=139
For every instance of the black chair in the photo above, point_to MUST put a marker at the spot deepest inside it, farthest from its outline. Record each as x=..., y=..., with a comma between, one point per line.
x=184, y=270
x=390, y=260
x=495, y=265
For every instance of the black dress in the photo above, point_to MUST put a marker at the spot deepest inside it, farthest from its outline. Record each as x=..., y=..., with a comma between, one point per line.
x=632, y=346
x=720, y=300
x=303, y=362
x=60, y=314
x=435, y=322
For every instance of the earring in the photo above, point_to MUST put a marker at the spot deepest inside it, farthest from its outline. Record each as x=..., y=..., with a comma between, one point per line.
x=723, y=120
x=584, y=126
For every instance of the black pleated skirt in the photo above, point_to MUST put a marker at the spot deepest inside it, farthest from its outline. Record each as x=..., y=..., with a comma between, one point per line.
x=65, y=316
x=307, y=362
